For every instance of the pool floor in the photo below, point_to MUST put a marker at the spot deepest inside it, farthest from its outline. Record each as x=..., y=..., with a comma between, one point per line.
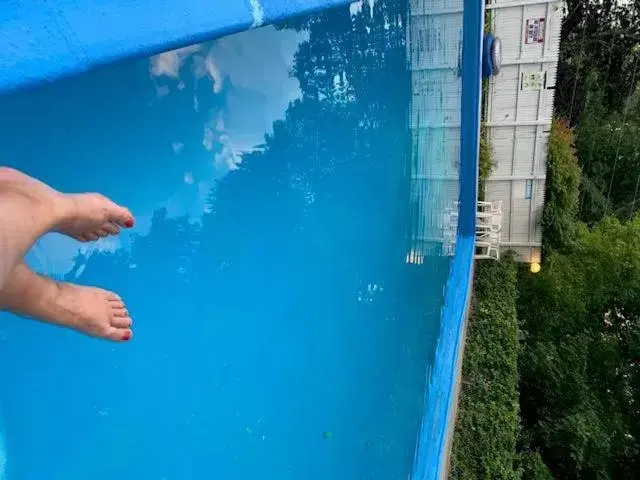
x=279, y=331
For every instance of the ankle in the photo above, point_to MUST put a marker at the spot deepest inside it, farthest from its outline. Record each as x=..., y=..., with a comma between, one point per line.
x=53, y=301
x=63, y=211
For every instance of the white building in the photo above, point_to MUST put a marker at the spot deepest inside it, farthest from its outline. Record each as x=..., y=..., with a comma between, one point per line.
x=518, y=115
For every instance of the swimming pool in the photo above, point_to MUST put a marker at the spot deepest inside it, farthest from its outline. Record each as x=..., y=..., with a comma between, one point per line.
x=289, y=267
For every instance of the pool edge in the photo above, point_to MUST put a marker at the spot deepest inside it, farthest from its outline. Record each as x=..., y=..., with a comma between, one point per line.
x=435, y=438
x=44, y=43
x=473, y=31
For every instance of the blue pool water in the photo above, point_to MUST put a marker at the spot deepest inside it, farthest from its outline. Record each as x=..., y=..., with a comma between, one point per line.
x=284, y=274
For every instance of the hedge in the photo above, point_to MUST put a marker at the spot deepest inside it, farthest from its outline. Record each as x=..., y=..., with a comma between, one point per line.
x=487, y=426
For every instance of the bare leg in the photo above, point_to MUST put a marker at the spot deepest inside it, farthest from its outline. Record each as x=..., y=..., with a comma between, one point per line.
x=89, y=310
x=29, y=209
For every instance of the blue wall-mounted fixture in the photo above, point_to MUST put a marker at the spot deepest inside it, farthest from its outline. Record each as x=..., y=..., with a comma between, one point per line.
x=491, y=55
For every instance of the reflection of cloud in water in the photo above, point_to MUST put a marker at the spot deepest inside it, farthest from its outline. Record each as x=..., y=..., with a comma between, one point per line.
x=255, y=82
x=257, y=13
x=162, y=91
x=177, y=147
x=252, y=101
x=53, y=254
x=168, y=63
x=248, y=77
x=109, y=244
x=227, y=159
x=214, y=73
x=356, y=7
x=207, y=140
x=250, y=84
x=204, y=189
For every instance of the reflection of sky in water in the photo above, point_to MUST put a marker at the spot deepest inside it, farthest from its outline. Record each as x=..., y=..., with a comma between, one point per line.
x=252, y=102
x=208, y=105
x=280, y=332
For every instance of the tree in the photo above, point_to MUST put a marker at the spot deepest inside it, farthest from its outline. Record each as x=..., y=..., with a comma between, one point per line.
x=597, y=37
x=579, y=368
x=608, y=148
x=562, y=189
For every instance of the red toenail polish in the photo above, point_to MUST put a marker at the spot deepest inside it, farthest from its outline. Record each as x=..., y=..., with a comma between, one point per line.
x=129, y=223
x=126, y=336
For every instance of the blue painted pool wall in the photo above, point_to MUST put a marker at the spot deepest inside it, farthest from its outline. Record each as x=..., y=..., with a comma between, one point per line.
x=460, y=283
x=44, y=41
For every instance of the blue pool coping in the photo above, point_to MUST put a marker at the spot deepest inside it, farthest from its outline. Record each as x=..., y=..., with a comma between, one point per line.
x=42, y=42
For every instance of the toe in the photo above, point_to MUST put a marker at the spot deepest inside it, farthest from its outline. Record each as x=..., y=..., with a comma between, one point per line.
x=116, y=303
x=123, y=217
x=114, y=213
x=92, y=237
x=113, y=297
x=120, y=334
x=120, y=312
x=111, y=228
x=121, y=322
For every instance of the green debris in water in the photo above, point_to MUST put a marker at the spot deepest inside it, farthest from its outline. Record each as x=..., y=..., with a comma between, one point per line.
x=327, y=435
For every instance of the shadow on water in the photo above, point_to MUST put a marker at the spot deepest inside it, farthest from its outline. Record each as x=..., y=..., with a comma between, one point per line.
x=279, y=330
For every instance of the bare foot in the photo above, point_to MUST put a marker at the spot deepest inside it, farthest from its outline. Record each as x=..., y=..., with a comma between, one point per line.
x=92, y=311
x=85, y=217
x=89, y=310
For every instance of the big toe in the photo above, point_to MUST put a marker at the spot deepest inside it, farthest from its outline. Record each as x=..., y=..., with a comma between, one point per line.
x=119, y=215
x=120, y=334
x=124, y=218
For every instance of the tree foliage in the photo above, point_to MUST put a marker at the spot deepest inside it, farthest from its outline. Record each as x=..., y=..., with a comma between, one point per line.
x=562, y=189
x=608, y=147
x=580, y=372
x=533, y=467
x=597, y=37
x=598, y=72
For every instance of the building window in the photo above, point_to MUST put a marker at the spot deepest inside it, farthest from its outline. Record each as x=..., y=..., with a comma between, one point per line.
x=528, y=188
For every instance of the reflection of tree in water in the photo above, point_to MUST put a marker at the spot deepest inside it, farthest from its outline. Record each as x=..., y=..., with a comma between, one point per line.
x=327, y=182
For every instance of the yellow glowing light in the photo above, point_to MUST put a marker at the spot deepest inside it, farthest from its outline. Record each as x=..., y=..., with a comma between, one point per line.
x=535, y=267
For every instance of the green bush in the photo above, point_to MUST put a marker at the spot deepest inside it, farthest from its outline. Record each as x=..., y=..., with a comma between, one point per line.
x=484, y=444
x=533, y=467
x=562, y=190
